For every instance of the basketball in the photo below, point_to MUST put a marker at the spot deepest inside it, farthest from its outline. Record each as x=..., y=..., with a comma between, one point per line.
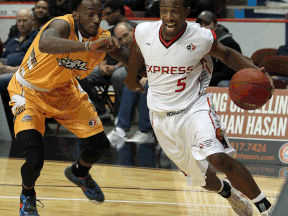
x=250, y=89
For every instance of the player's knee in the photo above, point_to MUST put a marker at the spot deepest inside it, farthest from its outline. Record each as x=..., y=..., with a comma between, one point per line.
x=95, y=147
x=221, y=162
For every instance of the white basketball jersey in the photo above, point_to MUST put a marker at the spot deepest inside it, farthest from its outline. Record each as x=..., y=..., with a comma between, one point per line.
x=178, y=71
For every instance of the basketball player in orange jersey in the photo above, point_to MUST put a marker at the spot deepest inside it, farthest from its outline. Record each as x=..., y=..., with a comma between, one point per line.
x=179, y=69
x=45, y=85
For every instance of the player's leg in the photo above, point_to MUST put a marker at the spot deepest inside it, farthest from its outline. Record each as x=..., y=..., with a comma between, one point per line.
x=78, y=173
x=28, y=123
x=83, y=121
x=212, y=144
x=240, y=178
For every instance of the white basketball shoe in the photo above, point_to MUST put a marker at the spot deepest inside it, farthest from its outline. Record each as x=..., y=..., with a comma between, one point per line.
x=269, y=212
x=240, y=204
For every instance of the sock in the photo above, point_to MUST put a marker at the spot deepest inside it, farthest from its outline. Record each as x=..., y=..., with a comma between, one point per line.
x=30, y=192
x=225, y=190
x=261, y=203
x=79, y=170
x=120, y=131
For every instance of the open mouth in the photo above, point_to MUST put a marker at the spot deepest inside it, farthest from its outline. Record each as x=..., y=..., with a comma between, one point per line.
x=170, y=25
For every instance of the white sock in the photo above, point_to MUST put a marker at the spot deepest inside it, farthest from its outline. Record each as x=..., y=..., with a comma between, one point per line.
x=222, y=186
x=258, y=198
x=120, y=131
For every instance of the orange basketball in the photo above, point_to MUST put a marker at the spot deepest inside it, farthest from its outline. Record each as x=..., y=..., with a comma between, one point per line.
x=250, y=89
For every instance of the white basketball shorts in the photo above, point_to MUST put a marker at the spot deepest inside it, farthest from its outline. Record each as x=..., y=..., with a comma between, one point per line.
x=188, y=136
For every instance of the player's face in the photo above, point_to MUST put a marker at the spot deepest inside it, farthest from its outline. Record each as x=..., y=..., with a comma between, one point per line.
x=88, y=17
x=41, y=9
x=173, y=16
x=124, y=36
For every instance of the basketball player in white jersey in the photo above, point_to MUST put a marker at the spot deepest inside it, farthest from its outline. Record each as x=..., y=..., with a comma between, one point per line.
x=182, y=114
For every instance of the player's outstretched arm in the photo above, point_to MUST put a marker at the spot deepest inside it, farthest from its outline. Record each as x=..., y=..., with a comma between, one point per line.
x=54, y=40
x=234, y=59
x=121, y=55
x=136, y=61
x=231, y=57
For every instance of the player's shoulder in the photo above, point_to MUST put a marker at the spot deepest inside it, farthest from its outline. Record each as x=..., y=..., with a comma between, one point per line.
x=144, y=26
x=196, y=29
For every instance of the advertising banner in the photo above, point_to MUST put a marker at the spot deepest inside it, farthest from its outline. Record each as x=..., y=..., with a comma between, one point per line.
x=259, y=136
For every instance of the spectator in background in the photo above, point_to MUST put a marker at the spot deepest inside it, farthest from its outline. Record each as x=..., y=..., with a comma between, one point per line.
x=41, y=16
x=110, y=70
x=14, y=53
x=282, y=50
x=222, y=74
x=41, y=13
x=117, y=137
x=58, y=7
x=128, y=11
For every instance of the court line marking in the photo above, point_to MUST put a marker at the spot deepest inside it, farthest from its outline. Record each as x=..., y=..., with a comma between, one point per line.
x=121, y=201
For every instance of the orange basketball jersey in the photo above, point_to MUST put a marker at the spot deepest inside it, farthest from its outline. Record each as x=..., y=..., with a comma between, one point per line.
x=49, y=71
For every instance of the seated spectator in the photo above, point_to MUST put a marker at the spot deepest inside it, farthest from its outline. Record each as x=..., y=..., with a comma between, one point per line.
x=14, y=53
x=128, y=11
x=58, y=7
x=117, y=137
x=41, y=16
x=41, y=13
x=222, y=74
x=110, y=70
x=282, y=50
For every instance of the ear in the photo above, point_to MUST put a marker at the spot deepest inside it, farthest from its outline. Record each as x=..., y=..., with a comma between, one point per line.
x=75, y=15
x=187, y=11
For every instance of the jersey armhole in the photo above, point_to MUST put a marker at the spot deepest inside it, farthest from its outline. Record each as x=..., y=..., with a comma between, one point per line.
x=134, y=36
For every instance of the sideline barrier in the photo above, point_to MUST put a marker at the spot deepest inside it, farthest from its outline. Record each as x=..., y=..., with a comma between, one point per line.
x=259, y=136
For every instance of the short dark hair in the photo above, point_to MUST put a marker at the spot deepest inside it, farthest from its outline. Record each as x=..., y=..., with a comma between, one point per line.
x=115, y=5
x=73, y=4
x=186, y=3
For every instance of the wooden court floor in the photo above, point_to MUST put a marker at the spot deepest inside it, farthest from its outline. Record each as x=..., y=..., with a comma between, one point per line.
x=129, y=191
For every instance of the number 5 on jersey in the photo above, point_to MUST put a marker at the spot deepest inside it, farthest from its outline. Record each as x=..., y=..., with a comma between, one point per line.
x=182, y=84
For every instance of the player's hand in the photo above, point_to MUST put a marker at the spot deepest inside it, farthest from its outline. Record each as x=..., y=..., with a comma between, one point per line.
x=134, y=85
x=270, y=79
x=106, y=44
x=7, y=69
x=108, y=69
x=143, y=81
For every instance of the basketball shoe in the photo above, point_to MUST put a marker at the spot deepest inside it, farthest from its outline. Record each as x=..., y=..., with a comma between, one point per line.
x=28, y=205
x=240, y=204
x=116, y=139
x=89, y=187
x=269, y=212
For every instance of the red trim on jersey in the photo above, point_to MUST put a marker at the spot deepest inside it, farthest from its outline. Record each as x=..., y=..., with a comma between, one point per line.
x=174, y=39
x=208, y=69
x=214, y=34
x=134, y=35
x=211, y=118
x=208, y=102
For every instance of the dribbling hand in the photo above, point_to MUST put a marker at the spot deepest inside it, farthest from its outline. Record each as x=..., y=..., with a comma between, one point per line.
x=106, y=44
x=134, y=85
x=271, y=81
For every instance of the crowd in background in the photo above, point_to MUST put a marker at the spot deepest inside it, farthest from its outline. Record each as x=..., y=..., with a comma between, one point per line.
x=116, y=12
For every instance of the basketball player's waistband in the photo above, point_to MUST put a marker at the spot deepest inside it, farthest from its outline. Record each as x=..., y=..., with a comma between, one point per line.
x=173, y=113
x=25, y=83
